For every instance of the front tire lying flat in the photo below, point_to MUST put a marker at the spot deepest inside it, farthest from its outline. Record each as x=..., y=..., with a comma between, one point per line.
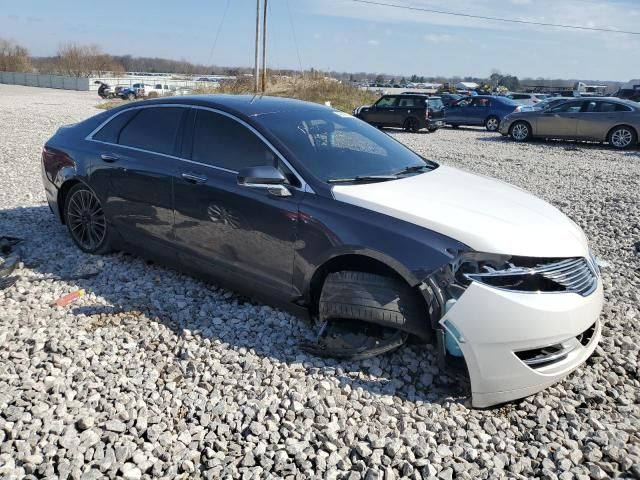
x=86, y=221
x=385, y=301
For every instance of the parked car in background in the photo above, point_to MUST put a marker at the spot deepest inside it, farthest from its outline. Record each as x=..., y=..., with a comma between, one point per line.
x=602, y=119
x=151, y=90
x=408, y=111
x=481, y=110
x=309, y=208
x=183, y=91
x=449, y=98
x=527, y=98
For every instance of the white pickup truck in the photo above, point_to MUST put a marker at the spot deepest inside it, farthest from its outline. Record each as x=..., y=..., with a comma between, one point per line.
x=145, y=89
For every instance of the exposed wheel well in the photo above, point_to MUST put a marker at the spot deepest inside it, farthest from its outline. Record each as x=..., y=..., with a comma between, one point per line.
x=62, y=195
x=356, y=263
x=622, y=125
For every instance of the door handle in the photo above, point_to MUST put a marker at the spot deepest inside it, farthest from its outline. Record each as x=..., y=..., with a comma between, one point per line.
x=196, y=179
x=391, y=110
x=109, y=157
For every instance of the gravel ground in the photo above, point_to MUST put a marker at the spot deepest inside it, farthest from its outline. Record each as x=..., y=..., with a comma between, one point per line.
x=155, y=374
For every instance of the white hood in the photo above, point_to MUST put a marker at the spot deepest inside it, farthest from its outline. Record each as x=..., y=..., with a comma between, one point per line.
x=486, y=214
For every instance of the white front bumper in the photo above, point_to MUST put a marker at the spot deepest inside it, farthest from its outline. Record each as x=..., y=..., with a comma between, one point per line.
x=495, y=323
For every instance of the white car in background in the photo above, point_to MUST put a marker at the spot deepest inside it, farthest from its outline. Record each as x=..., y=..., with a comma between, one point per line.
x=527, y=98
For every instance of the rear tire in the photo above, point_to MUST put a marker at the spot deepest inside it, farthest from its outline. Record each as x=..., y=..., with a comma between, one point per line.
x=520, y=131
x=492, y=123
x=86, y=221
x=131, y=97
x=411, y=124
x=385, y=301
x=622, y=137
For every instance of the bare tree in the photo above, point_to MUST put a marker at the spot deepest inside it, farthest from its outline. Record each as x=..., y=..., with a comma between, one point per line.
x=13, y=57
x=84, y=60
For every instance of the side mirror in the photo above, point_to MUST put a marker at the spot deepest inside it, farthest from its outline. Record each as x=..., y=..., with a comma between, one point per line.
x=264, y=177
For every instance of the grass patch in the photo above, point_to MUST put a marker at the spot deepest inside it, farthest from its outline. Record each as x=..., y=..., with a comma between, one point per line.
x=342, y=96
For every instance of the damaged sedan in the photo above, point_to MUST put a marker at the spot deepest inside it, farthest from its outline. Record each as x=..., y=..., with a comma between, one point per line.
x=312, y=209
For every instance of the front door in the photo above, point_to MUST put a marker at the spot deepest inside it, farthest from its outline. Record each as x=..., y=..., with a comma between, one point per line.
x=383, y=112
x=133, y=174
x=561, y=121
x=233, y=232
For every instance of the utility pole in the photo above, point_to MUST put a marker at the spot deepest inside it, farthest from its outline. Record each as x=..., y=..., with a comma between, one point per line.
x=264, y=47
x=256, y=73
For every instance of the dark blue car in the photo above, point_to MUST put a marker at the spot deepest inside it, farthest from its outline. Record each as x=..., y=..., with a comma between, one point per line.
x=481, y=110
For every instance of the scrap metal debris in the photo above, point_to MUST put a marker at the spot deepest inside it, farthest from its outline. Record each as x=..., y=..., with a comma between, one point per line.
x=10, y=256
x=69, y=298
x=354, y=340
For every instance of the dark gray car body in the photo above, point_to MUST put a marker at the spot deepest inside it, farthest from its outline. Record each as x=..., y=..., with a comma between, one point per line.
x=277, y=249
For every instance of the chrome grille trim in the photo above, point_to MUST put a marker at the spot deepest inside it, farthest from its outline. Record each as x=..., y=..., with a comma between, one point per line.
x=574, y=275
x=579, y=277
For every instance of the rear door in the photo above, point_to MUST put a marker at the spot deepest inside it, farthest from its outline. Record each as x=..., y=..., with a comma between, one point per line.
x=408, y=106
x=561, y=121
x=133, y=173
x=599, y=117
x=242, y=234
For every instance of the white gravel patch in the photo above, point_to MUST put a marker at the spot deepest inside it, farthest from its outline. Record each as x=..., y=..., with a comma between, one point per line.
x=153, y=374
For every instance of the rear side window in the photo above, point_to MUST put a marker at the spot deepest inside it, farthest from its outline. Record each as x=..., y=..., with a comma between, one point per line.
x=153, y=129
x=407, y=102
x=436, y=104
x=111, y=131
x=223, y=142
x=613, y=107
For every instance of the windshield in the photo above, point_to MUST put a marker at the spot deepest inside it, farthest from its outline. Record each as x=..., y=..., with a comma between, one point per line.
x=336, y=146
x=436, y=104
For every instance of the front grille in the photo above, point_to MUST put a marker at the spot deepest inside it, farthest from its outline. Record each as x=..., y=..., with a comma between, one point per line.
x=575, y=275
x=525, y=274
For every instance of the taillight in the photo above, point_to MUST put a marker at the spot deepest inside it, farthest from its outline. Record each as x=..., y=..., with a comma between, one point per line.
x=54, y=160
x=426, y=113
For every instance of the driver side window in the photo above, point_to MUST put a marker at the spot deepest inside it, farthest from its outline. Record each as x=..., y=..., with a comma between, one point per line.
x=223, y=142
x=386, y=102
x=568, y=107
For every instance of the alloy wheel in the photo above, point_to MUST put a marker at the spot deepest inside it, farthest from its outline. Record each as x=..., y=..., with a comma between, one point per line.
x=520, y=132
x=621, y=138
x=86, y=219
x=492, y=124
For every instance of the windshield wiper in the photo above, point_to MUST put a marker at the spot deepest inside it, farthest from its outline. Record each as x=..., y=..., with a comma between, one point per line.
x=363, y=179
x=414, y=168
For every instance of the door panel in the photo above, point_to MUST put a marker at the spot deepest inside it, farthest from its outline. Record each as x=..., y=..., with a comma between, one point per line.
x=244, y=233
x=558, y=124
x=384, y=113
x=235, y=230
x=561, y=121
x=136, y=194
x=133, y=173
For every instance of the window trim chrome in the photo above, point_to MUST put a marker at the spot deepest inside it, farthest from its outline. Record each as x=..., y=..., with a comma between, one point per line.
x=304, y=186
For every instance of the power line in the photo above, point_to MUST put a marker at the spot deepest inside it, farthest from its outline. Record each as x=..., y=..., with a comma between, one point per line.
x=496, y=19
x=295, y=38
x=215, y=41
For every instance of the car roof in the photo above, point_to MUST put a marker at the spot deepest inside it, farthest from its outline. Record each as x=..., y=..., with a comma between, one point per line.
x=246, y=105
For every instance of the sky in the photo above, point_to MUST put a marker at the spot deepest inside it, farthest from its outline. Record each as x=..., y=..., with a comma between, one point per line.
x=347, y=36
